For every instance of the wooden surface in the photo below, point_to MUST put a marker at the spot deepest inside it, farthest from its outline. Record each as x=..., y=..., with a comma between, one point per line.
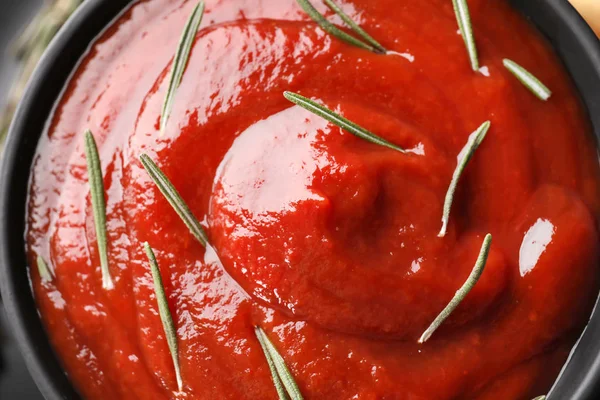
x=590, y=9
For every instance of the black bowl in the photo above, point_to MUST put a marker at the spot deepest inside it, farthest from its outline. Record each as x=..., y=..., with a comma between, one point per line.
x=568, y=33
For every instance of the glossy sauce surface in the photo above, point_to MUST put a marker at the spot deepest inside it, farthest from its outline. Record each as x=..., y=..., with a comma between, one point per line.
x=327, y=241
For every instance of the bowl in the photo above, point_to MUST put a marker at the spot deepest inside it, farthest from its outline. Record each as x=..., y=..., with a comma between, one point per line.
x=572, y=39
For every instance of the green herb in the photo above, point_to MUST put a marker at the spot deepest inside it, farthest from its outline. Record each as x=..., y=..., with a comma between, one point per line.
x=45, y=273
x=180, y=61
x=281, y=391
x=367, y=42
x=540, y=398
x=463, y=291
x=528, y=80
x=165, y=313
x=463, y=159
x=174, y=198
x=463, y=17
x=355, y=27
x=98, y=204
x=338, y=120
x=282, y=377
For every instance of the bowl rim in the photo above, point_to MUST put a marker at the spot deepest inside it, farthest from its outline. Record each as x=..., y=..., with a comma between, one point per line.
x=94, y=16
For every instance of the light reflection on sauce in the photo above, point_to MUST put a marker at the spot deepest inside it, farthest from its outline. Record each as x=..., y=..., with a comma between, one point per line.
x=416, y=265
x=275, y=157
x=57, y=299
x=405, y=55
x=535, y=241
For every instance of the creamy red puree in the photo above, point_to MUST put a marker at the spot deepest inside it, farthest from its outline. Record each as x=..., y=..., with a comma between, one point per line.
x=328, y=242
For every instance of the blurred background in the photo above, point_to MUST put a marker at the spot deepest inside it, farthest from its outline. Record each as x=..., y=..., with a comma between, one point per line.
x=26, y=28
x=15, y=382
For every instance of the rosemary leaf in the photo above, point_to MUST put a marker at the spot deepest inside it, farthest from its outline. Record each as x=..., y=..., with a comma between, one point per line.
x=165, y=313
x=284, y=376
x=281, y=391
x=528, y=80
x=45, y=272
x=370, y=44
x=463, y=17
x=98, y=204
x=540, y=398
x=463, y=159
x=180, y=61
x=174, y=198
x=355, y=27
x=463, y=291
x=340, y=121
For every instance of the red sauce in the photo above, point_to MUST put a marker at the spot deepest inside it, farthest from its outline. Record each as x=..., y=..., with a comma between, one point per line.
x=327, y=241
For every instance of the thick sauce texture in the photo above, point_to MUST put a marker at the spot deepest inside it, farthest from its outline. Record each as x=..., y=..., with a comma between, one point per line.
x=325, y=240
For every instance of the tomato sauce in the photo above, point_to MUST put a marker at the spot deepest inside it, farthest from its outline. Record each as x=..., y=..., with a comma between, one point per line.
x=326, y=241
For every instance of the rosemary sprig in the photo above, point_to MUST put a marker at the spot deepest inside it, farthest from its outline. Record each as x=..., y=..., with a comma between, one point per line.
x=463, y=17
x=282, y=377
x=165, y=313
x=463, y=291
x=540, y=398
x=340, y=121
x=45, y=272
x=281, y=391
x=366, y=42
x=355, y=27
x=180, y=61
x=174, y=198
x=98, y=204
x=463, y=159
x=532, y=83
